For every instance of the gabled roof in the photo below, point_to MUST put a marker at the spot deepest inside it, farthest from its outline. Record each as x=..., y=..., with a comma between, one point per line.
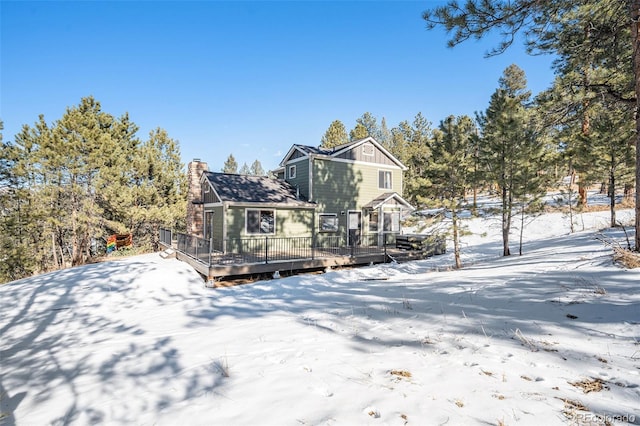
x=254, y=189
x=382, y=199
x=306, y=150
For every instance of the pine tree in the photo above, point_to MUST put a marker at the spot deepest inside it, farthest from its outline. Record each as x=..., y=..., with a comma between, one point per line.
x=160, y=189
x=69, y=184
x=335, y=135
x=611, y=142
x=257, y=169
x=504, y=133
x=449, y=171
x=384, y=135
x=414, y=149
x=366, y=126
x=231, y=165
x=245, y=170
x=594, y=40
x=358, y=132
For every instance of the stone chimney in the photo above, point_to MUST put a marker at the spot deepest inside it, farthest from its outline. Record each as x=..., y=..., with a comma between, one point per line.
x=195, y=209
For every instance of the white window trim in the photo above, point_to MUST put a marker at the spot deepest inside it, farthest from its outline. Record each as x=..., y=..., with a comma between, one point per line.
x=246, y=221
x=292, y=171
x=334, y=215
x=369, y=222
x=395, y=213
x=390, y=178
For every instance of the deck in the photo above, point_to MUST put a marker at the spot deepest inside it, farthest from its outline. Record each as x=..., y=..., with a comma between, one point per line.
x=291, y=255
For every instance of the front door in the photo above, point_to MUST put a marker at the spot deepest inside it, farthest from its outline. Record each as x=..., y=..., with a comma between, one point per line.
x=354, y=228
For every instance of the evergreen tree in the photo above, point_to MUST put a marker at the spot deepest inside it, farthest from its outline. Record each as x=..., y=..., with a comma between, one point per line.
x=413, y=144
x=531, y=179
x=504, y=134
x=611, y=142
x=159, y=193
x=231, y=165
x=358, y=132
x=449, y=171
x=16, y=251
x=366, y=126
x=245, y=170
x=86, y=176
x=335, y=135
x=257, y=169
x=384, y=135
x=592, y=37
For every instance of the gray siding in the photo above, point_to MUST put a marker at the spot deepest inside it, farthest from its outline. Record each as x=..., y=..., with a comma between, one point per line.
x=209, y=197
x=301, y=181
x=357, y=154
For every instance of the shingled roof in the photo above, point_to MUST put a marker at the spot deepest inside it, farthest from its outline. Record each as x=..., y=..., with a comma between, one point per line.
x=255, y=189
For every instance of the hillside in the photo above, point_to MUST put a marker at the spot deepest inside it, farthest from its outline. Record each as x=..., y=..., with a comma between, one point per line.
x=551, y=337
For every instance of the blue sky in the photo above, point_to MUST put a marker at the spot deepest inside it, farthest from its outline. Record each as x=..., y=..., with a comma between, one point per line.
x=243, y=78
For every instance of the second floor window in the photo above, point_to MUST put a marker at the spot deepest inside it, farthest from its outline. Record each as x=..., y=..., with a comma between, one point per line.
x=292, y=172
x=384, y=179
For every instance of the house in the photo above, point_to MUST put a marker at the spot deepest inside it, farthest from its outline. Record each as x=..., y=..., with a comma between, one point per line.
x=351, y=192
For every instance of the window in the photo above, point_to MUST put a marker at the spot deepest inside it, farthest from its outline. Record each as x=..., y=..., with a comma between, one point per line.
x=368, y=149
x=208, y=225
x=373, y=221
x=328, y=222
x=391, y=221
x=292, y=172
x=384, y=179
x=261, y=221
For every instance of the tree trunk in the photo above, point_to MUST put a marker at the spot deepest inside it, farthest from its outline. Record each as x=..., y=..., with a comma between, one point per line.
x=586, y=120
x=628, y=192
x=506, y=221
x=612, y=197
x=456, y=242
x=521, y=227
x=582, y=194
x=635, y=33
x=54, y=251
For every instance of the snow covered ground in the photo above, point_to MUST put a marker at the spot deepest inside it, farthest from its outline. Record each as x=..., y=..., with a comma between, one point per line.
x=551, y=337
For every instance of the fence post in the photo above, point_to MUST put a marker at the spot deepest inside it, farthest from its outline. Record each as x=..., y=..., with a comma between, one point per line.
x=266, y=250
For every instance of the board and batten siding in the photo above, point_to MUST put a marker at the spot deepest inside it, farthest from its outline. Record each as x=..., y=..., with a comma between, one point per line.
x=358, y=153
x=208, y=195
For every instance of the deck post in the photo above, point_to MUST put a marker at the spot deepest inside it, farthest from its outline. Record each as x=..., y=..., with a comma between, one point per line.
x=266, y=250
x=210, y=250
